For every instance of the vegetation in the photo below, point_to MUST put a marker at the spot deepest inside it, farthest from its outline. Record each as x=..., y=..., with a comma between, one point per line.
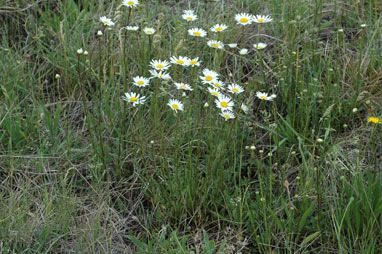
x=93, y=161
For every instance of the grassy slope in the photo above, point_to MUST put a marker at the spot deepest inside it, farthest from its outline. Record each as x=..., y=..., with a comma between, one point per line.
x=77, y=177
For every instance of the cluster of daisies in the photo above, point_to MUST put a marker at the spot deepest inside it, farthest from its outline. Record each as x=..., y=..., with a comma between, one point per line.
x=189, y=15
x=224, y=94
x=160, y=70
x=214, y=86
x=241, y=19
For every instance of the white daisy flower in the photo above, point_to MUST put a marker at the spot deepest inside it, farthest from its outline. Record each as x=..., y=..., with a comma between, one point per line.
x=130, y=3
x=264, y=96
x=149, y=30
x=160, y=74
x=244, y=108
x=181, y=60
x=132, y=28
x=260, y=45
x=243, y=51
x=182, y=86
x=227, y=114
x=175, y=105
x=224, y=102
x=217, y=84
x=141, y=81
x=215, y=44
x=189, y=15
x=218, y=28
x=214, y=91
x=134, y=98
x=195, y=61
x=262, y=19
x=197, y=32
x=243, y=19
x=209, y=76
x=159, y=64
x=106, y=21
x=235, y=89
x=232, y=45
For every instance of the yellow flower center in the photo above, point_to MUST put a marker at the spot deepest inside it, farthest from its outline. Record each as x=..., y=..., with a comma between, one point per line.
x=219, y=29
x=235, y=90
x=263, y=97
x=106, y=22
x=180, y=61
x=189, y=18
x=217, y=85
x=224, y=104
x=140, y=82
x=133, y=99
x=243, y=20
x=215, y=45
x=214, y=93
x=259, y=47
x=160, y=66
x=149, y=32
x=193, y=62
x=260, y=20
x=183, y=87
x=130, y=3
x=196, y=33
x=175, y=106
x=227, y=116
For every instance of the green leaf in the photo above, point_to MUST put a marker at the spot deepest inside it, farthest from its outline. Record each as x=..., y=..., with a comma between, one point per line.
x=304, y=217
x=310, y=238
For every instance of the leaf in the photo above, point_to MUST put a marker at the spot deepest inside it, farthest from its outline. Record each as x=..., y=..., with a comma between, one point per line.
x=209, y=244
x=327, y=112
x=304, y=217
x=277, y=221
x=310, y=238
x=326, y=25
x=141, y=245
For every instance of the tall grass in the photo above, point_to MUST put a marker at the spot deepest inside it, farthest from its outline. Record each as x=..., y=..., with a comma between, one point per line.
x=84, y=171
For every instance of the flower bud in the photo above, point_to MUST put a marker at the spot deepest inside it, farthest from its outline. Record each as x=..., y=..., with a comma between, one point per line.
x=243, y=51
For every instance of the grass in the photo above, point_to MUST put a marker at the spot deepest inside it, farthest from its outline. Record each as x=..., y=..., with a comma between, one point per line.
x=84, y=171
